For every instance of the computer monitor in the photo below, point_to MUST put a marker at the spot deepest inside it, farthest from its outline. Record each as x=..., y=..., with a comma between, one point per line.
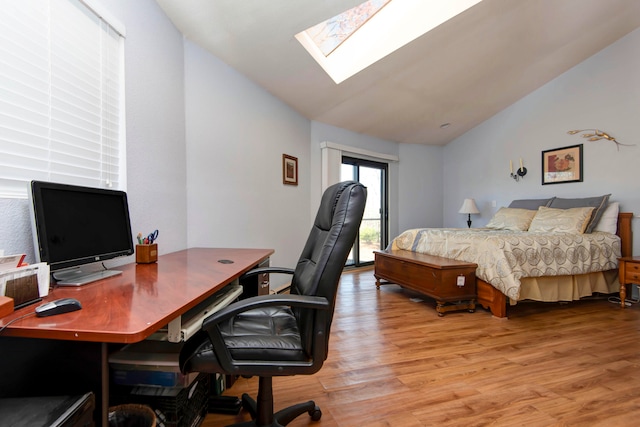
x=75, y=226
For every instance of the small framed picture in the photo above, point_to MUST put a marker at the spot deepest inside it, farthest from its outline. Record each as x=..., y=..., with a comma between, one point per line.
x=562, y=165
x=289, y=170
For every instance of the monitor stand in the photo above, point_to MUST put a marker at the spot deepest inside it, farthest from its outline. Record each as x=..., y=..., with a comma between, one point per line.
x=78, y=277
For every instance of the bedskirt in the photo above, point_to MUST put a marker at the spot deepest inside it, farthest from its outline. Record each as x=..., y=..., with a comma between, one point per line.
x=567, y=288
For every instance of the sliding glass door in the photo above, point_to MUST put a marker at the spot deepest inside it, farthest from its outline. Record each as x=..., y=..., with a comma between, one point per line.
x=373, y=233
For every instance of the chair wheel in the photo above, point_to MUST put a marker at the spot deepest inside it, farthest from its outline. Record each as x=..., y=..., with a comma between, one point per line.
x=315, y=414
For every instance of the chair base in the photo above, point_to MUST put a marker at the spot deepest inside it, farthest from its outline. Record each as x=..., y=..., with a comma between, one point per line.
x=261, y=411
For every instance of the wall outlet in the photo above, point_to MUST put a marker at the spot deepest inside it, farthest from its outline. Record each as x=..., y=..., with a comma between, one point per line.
x=493, y=203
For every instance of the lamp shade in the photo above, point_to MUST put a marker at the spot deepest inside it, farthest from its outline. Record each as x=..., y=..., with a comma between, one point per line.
x=469, y=207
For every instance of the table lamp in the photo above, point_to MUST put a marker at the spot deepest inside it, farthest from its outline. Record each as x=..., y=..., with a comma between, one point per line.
x=469, y=207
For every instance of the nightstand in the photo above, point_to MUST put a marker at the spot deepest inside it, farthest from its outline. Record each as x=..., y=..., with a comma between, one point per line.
x=629, y=272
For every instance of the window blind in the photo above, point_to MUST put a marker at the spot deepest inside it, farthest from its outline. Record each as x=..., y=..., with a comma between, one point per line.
x=61, y=96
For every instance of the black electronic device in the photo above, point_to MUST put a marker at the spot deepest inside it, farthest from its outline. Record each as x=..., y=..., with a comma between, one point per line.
x=75, y=226
x=52, y=411
x=59, y=306
x=225, y=405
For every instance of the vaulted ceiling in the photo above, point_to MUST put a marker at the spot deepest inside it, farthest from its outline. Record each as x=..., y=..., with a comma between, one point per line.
x=462, y=72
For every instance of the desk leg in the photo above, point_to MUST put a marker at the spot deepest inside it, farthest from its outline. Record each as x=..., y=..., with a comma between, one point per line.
x=104, y=368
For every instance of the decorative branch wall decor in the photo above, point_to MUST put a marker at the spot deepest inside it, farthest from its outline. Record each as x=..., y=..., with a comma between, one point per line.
x=595, y=135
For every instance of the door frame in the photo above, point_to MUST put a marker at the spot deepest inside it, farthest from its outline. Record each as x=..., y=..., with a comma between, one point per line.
x=384, y=202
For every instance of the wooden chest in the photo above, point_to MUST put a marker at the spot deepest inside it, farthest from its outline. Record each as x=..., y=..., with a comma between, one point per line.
x=451, y=283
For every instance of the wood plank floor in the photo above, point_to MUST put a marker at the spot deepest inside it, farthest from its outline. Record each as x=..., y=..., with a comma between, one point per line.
x=394, y=362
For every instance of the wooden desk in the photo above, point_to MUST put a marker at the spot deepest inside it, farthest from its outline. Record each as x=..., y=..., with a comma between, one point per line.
x=122, y=309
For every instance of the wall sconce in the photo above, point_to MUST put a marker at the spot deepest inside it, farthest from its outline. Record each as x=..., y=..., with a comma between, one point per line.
x=520, y=172
x=595, y=135
x=469, y=207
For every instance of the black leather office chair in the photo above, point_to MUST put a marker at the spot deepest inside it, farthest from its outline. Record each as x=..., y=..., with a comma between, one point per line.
x=286, y=334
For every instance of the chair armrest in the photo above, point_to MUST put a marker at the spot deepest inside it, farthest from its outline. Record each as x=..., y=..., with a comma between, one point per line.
x=270, y=270
x=210, y=324
x=318, y=303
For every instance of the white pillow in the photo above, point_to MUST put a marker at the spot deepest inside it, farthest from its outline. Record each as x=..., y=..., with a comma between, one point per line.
x=609, y=220
x=573, y=220
x=515, y=219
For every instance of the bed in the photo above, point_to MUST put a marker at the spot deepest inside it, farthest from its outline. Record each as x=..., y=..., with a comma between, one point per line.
x=546, y=252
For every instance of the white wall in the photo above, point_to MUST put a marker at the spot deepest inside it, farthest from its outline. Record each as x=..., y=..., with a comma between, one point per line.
x=415, y=180
x=602, y=92
x=420, y=186
x=155, y=133
x=15, y=228
x=236, y=136
x=156, y=158
x=321, y=132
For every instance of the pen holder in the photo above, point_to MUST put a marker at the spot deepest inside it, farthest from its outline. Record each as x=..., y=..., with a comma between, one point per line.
x=146, y=254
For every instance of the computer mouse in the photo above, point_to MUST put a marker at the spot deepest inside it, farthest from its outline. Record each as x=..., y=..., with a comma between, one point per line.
x=63, y=305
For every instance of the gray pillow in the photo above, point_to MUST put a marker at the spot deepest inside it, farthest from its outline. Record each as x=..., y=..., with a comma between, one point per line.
x=598, y=203
x=531, y=204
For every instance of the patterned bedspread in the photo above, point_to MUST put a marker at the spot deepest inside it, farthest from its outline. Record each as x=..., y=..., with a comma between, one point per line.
x=504, y=257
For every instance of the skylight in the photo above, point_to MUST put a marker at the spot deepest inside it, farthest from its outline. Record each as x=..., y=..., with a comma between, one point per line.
x=355, y=39
x=330, y=34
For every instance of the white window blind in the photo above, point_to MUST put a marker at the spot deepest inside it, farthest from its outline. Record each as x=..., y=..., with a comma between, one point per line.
x=61, y=96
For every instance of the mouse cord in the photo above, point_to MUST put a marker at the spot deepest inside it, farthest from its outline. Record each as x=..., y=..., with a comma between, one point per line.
x=15, y=320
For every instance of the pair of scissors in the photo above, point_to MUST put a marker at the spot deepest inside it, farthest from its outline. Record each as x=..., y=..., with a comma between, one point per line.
x=152, y=237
